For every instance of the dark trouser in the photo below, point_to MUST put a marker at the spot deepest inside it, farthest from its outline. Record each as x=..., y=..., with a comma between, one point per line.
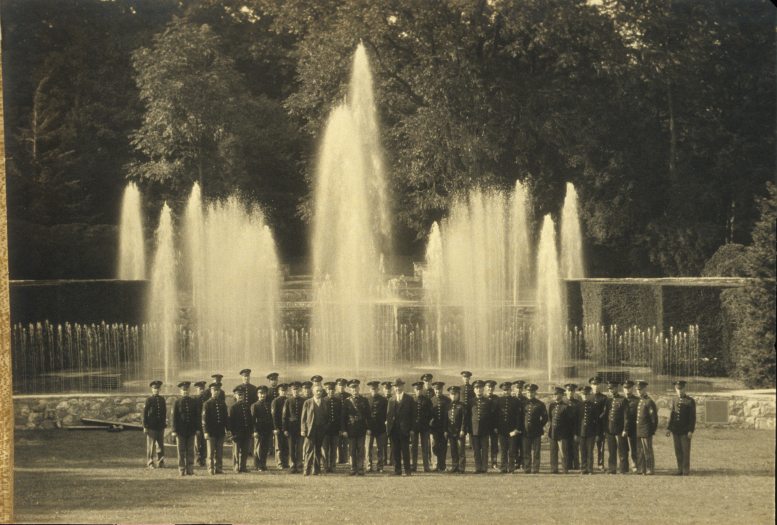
x=494, y=449
x=440, y=449
x=558, y=450
x=262, y=449
x=295, y=451
x=423, y=437
x=480, y=451
x=600, y=440
x=618, y=454
x=155, y=439
x=400, y=451
x=587, y=454
x=241, y=449
x=572, y=453
x=200, y=449
x=634, y=448
x=215, y=453
x=313, y=452
x=682, y=451
x=519, y=452
x=531, y=454
x=356, y=447
x=330, y=451
x=185, y=446
x=646, y=463
x=458, y=453
x=508, y=446
x=379, y=442
x=281, y=451
x=342, y=450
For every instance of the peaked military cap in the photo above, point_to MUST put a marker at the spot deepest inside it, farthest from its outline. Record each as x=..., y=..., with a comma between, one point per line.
x=238, y=389
x=330, y=384
x=283, y=386
x=398, y=382
x=295, y=384
x=155, y=384
x=506, y=386
x=217, y=377
x=373, y=384
x=680, y=383
x=184, y=384
x=587, y=389
x=594, y=381
x=245, y=372
x=316, y=379
x=612, y=384
x=354, y=382
x=642, y=384
x=466, y=373
x=272, y=376
x=478, y=384
x=532, y=388
x=570, y=386
x=200, y=384
x=427, y=377
x=558, y=390
x=438, y=384
x=418, y=385
x=215, y=384
x=628, y=383
x=490, y=383
x=519, y=383
x=387, y=384
x=454, y=389
x=307, y=384
x=341, y=381
x=262, y=388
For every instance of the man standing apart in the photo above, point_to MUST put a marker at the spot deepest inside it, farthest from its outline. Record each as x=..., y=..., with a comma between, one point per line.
x=399, y=427
x=186, y=425
x=682, y=424
x=154, y=424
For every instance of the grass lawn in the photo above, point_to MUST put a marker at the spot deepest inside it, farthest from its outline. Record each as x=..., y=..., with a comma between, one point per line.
x=96, y=476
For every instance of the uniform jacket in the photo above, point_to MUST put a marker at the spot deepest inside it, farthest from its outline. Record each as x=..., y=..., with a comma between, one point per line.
x=467, y=395
x=440, y=405
x=207, y=395
x=185, y=417
x=261, y=416
x=334, y=415
x=562, y=417
x=315, y=417
x=587, y=423
x=155, y=413
x=292, y=412
x=647, y=417
x=423, y=414
x=400, y=415
x=241, y=422
x=276, y=409
x=456, y=418
x=616, y=418
x=215, y=418
x=600, y=400
x=631, y=420
x=249, y=394
x=535, y=416
x=356, y=415
x=508, y=415
x=378, y=406
x=683, y=417
x=481, y=418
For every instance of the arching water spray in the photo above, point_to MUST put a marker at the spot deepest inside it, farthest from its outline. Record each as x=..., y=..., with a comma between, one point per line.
x=132, y=251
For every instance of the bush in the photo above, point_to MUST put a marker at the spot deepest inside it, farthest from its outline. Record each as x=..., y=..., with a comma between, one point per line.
x=728, y=261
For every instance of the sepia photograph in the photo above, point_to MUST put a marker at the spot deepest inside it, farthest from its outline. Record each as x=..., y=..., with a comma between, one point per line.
x=417, y=261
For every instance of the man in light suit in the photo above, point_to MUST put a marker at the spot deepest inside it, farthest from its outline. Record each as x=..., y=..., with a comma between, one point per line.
x=313, y=427
x=399, y=426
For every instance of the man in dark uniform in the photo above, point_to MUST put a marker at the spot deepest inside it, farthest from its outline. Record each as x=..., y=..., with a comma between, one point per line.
x=186, y=422
x=241, y=426
x=631, y=427
x=456, y=430
x=509, y=419
x=521, y=399
x=586, y=430
x=490, y=386
x=334, y=416
x=342, y=444
x=535, y=416
x=572, y=452
x=388, y=388
x=261, y=418
x=428, y=387
x=399, y=426
x=216, y=379
x=199, y=441
x=615, y=423
x=215, y=423
x=439, y=424
x=481, y=423
x=356, y=415
x=647, y=423
x=248, y=392
x=561, y=416
x=314, y=423
x=154, y=424
x=272, y=390
x=422, y=416
x=600, y=400
x=281, y=443
x=376, y=428
x=467, y=390
x=292, y=411
x=682, y=424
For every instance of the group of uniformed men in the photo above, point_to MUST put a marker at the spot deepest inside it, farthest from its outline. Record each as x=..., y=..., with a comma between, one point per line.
x=315, y=425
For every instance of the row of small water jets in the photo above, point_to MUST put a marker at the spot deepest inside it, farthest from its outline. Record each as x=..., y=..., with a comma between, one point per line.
x=62, y=357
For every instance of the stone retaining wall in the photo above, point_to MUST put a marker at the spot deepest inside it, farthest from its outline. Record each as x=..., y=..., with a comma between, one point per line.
x=50, y=412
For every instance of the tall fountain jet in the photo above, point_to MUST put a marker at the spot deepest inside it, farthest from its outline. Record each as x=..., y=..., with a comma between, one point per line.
x=351, y=229
x=163, y=300
x=132, y=251
x=572, y=266
x=433, y=283
x=520, y=246
x=549, y=298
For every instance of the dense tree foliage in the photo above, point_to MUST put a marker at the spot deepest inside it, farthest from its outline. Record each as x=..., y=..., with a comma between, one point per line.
x=662, y=112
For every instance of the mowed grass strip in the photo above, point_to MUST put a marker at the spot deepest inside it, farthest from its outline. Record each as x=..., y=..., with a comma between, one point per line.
x=96, y=476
